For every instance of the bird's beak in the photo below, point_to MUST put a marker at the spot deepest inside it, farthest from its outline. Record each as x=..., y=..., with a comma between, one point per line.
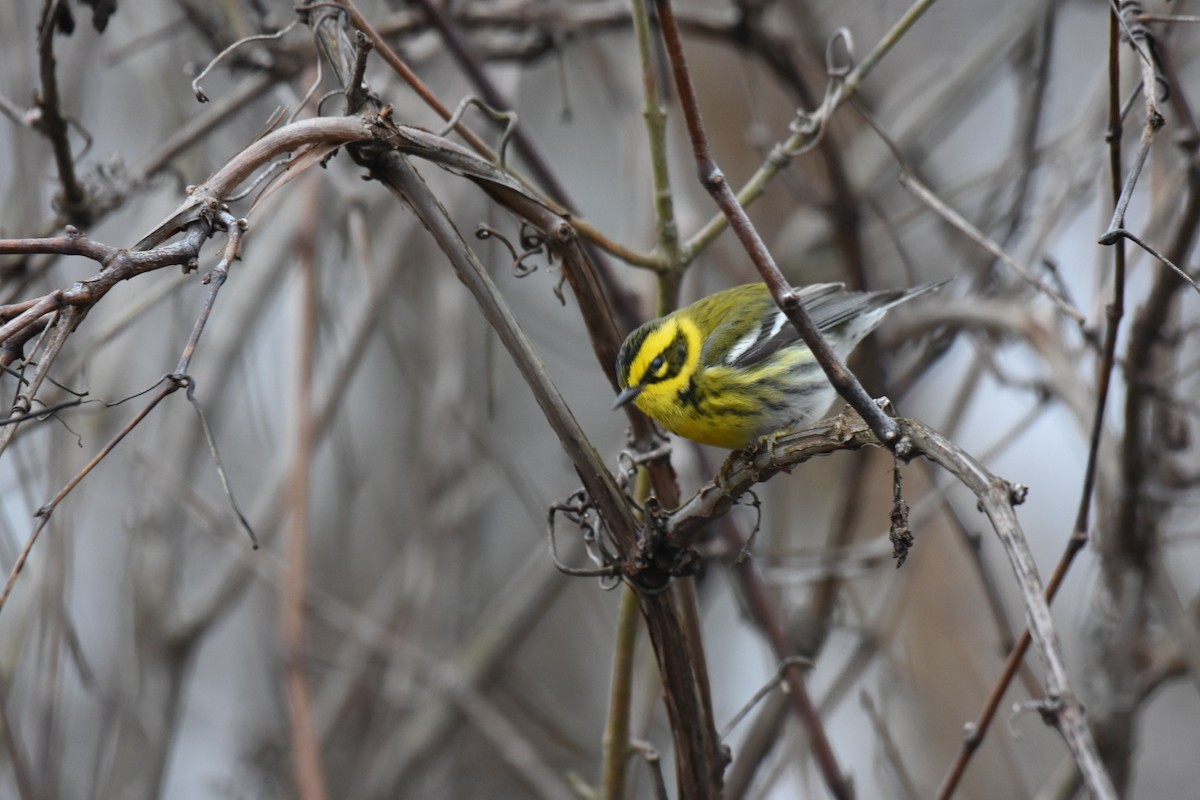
x=626, y=396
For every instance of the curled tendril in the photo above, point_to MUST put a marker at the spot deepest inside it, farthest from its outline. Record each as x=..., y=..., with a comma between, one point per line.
x=507, y=117
x=627, y=467
x=558, y=291
x=199, y=92
x=483, y=232
x=520, y=268
x=628, y=463
x=650, y=570
x=532, y=238
x=578, y=510
x=836, y=70
x=810, y=125
x=532, y=244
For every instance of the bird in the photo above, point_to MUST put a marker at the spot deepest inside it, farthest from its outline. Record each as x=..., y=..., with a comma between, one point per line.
x=731, y=368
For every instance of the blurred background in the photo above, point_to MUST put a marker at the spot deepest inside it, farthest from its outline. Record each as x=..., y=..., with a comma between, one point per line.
x=144, y=648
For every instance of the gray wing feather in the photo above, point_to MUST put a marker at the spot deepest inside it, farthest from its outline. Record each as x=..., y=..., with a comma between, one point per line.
x=830, y=308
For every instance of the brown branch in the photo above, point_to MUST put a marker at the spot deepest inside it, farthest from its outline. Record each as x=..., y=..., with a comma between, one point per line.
x=1145, y=338
x=997, y=499
x=73, y=200
x=120, y=264
x=1079, y=536
x=307, y=768
x=618, y=297
x=713, y=180
x=116, y=265
x=792, y=671
x=698, y=755
x=44, y=513
x=206, y=197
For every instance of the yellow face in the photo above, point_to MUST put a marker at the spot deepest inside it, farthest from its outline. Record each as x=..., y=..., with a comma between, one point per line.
x=656, y=363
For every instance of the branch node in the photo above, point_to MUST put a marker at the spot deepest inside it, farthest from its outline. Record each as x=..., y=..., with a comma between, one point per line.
x=357, y=94
x=711, y=176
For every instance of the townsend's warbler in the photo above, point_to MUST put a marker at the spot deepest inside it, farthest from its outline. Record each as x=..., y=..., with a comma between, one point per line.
x=730, y=368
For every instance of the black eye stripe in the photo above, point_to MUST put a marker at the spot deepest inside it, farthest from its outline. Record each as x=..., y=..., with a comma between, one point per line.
x=673, y=355
x=630, y=349
x=667, y=364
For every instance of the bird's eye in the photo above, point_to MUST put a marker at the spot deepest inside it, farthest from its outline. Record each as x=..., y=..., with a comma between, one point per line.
x=656, y=366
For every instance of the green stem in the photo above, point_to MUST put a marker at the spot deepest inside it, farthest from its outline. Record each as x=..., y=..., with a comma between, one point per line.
x=656, y=133
x=616, y=732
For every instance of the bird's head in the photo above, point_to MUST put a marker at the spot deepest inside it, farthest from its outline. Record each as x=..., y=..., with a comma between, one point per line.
x=657, y=360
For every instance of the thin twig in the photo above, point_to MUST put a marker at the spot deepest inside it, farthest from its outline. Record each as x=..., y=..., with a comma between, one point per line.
x=996, y=498
x=222, y=474
x=654, y=764
x=619, y=297
x=615, y=746
x=74, y=199
x=655, y=118
x=70, y=319
x=699, y=760
x=307, y=767
x=891, y=752
x=764, y=690
x=262, y=37
x=809, y=126
x=1112, y=235
x=754, y=592
x=713, y=180
x=926, y=196
x=1168, y=18
x=46, y=511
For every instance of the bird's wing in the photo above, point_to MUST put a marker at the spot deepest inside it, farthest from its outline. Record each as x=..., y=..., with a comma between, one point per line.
x=775, y=331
